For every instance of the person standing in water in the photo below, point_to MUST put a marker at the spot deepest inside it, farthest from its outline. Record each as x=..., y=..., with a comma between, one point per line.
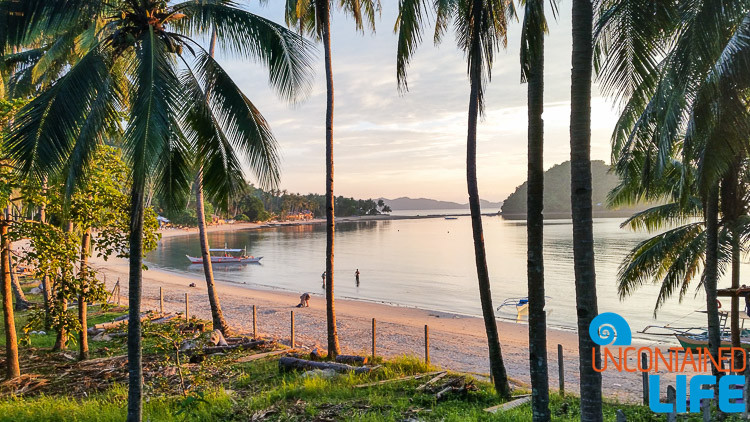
x=356, y=276
x=323, y=277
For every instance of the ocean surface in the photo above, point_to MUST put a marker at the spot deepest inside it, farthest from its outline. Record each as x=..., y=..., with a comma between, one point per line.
x=429, y=264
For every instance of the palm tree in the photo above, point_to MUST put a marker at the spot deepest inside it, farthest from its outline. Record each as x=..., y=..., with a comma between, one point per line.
x=682, y=69
x=217, y=316
x=314, y=17
x=532, y=71
x=179, y=101
x=580, y=199
x=12, y=368
x=480, y=27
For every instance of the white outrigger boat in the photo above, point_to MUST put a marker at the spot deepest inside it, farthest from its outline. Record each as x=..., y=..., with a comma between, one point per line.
x=521, y=307
x=227, y=257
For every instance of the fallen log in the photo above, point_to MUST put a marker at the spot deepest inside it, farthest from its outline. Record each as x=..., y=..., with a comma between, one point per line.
x=145, y=316
x=352, y=359
x=223, y=349
x=509, y=405
x=287, y=363
x=257, y=356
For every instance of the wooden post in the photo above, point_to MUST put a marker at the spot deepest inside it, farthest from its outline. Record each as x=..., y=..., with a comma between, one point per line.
x=118, y=290
x=187, y=307
x=161, y=301
x=620, y=416
x=291, y=338
x=560, y=369
x=672, y=399
x=644, y=377
x=255, y=324
x=373, y=338
x=426, y=344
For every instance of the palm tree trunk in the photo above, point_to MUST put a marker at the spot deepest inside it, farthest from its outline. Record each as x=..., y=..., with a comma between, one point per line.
x=219, y=323
x=497, y=367
x=47, y=288
x=583, y=234
x=12, y=369
x=333, y=337
x=62, y=335
x=711, y=273
x=83, y=338
x=535, y=232
x=735, y=321
x=135, y=370
x=217, y=316
x=21, y=303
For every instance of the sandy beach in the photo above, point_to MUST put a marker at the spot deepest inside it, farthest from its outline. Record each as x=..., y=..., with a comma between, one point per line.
x=457, y=342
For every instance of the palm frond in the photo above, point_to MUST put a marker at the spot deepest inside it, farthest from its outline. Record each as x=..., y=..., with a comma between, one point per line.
x=286, y=54
x=661, y=216
x=411, y=18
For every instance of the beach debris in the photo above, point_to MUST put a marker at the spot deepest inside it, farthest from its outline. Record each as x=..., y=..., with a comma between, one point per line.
x=217, y=339
x=191, y=285
x=509, y=405
x=101, y=337
x=352, y=359
x=318, y=354
x=433, y=380
x=288, y=363
x=123, y=319
x=457, y=385
x=24, y=384
x=408, y=377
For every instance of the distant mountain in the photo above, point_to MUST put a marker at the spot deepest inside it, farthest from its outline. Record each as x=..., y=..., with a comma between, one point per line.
x=405, y=203
x=557, y=192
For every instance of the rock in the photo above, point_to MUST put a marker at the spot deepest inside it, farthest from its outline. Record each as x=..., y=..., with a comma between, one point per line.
x=318, y=354
x=36, y=290
x=188, y=344
x=191, y=285
x=319, y=373
x=217, y=339
x=101, y=337
x=41, y=333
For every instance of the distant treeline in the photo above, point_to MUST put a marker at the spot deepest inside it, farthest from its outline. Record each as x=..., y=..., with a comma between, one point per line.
x=557, y=192
x=254, y=204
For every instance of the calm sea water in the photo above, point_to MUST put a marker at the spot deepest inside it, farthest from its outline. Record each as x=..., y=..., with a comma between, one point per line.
x=429, y=264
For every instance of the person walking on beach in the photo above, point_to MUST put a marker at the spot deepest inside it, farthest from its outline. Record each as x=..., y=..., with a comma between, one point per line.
x=323, y=276
x=304, y=301
x=356, y=276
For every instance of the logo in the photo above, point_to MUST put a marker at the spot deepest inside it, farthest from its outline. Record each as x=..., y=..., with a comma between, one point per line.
x=612, y=332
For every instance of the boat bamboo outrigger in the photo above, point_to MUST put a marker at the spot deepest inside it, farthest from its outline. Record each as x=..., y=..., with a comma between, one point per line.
x=228, y=257
x=521, y=305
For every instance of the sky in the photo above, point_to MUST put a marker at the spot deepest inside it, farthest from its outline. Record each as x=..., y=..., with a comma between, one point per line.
x=390, y=145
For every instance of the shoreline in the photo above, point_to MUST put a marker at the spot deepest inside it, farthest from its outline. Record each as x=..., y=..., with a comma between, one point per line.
x=458, y=342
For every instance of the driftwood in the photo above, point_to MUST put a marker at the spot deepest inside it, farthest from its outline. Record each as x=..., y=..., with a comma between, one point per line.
x=239, y=346
x=409, y=377
x=287, y=363
x=509, y=405
x=257, y=356
x=123, y=320
x=455, y=386
x=432, y=381
x=352, y=359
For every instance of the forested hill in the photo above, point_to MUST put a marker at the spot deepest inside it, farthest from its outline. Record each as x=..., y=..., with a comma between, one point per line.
x=557, y=192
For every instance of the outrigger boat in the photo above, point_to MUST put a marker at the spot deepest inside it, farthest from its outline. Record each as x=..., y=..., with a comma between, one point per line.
x=695, y=338
x=521, y=305
x=227, y=257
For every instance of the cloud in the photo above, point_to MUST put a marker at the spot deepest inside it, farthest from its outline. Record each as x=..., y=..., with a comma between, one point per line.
x=392, y=145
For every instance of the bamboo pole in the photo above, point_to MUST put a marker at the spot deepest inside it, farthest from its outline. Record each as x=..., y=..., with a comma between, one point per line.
x=373, y=339
x=291, y=338
x=187, y=307
x=255, y=324
x=561, y=369
x=426, y=344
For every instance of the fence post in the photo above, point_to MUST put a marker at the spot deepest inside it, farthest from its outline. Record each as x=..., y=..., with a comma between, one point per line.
x=672, y=399
x=644, y=377
x=291, y=341
x=561, y=369
x=255, y=324
x=118, y=291
x=426, y=344
x=187, y=307
x=161, y=301
x=373, y=338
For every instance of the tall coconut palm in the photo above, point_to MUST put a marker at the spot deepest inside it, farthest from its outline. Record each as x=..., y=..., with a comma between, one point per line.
x=179, y=101
x=314, y=17
x=581, y=207
x=532, y=71
x=481, y=32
